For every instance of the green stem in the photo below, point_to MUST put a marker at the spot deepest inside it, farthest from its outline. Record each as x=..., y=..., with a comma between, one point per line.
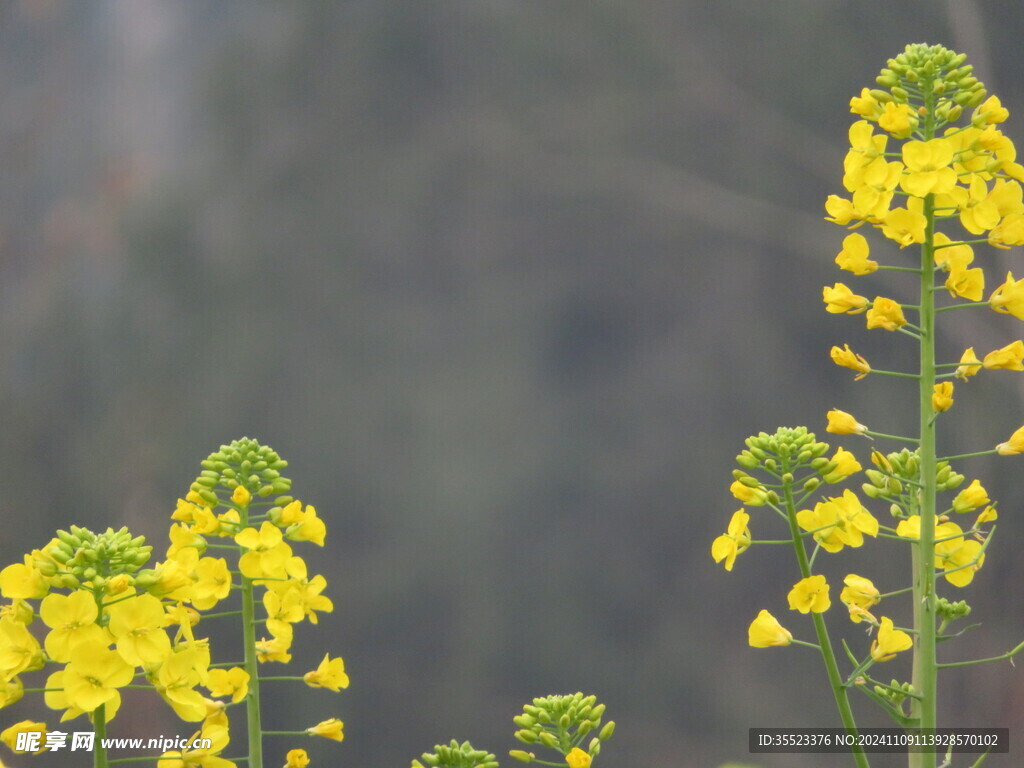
x=839, y=690
x=925, y=670
x=99, y=727
x=252, y=698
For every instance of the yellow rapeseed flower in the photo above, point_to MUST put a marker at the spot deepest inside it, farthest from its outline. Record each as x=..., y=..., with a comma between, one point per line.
x=232, y=682
x=885, y=313
x=1010, y=357
x=577, y=758
x=296, y=758
x=734, y=541
x=846, y=464
x=859, y=595
x=810, y=594
x=897, y=119
x=969, y=364
x=754, y=497
x=840, y=299
x=847, y=358
x=329, y=729
x=1007, y=298
x=72, y=620
x=942, y=396
x=970, y=498
x=1011, y=447
x=854, y=256
x=906, y=225
x=927, y=164
x=842, y=423
x=93, y=675
x=765, y=632
x=329, y=674
x=890, y=641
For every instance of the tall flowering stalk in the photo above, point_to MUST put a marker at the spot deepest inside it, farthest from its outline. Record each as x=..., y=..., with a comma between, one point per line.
x=950, y=182
x=112, y=625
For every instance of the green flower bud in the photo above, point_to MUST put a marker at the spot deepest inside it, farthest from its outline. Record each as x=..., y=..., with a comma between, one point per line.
x=607, y=731
x=746, y=459
x=527, y=737
x=548, y=739
x=522, y=757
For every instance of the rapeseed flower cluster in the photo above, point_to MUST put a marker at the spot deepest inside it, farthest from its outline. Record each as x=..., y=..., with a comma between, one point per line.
x=110, y=623
x=927, y=165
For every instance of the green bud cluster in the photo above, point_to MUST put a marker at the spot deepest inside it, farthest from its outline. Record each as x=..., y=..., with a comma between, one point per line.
x=244, y=463
x=456, y=755
x=949, y=611
x=792, y=447
x=931, y=69
x=561, y=723
x=80, y=557
x=905, y=465
x=896, y=694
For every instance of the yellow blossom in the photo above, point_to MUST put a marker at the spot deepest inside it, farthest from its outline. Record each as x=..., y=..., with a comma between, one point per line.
x=840, y=299
x=329, y=729
x=885, y=313
x=296, y=758
x=970, y=498
x=577, y=758
x=93, y=675
x=890, y=641
x=990, y=111
x=845, y=464
x=754, y=497
x=847, y=358
x=865, y=105
x=329, y=674
x=942, y=396
x=967, y=283
x=854, y=256
x=275, y=649
x=241, y=496
x=23, y=581
x=1011, y=447
x=839, y=521
x=810, y=594
x=969, y=364
x=137, y=625
x=19, y=650
x=1009, y=357
x=765, y=631
x=859, y=595
x=927, y=164
x=906, y=225
x=10, y=735
x=842, y=423
x=267, y=552
x=1007, y=298
x=734, y=541
x=212, y=582
x=232, y=682
x=897, y=119
x=72, y=620
x=987, y=515
x=841, y=211
x=960, y=558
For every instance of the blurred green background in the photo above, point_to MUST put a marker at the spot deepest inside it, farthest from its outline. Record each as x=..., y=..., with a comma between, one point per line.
x=508, y=283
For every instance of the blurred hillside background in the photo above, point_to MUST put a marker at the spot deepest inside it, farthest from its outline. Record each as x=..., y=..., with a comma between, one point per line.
x=508, y=283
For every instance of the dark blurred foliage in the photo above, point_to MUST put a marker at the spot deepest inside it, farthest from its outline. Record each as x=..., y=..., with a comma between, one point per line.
x=508, y=283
